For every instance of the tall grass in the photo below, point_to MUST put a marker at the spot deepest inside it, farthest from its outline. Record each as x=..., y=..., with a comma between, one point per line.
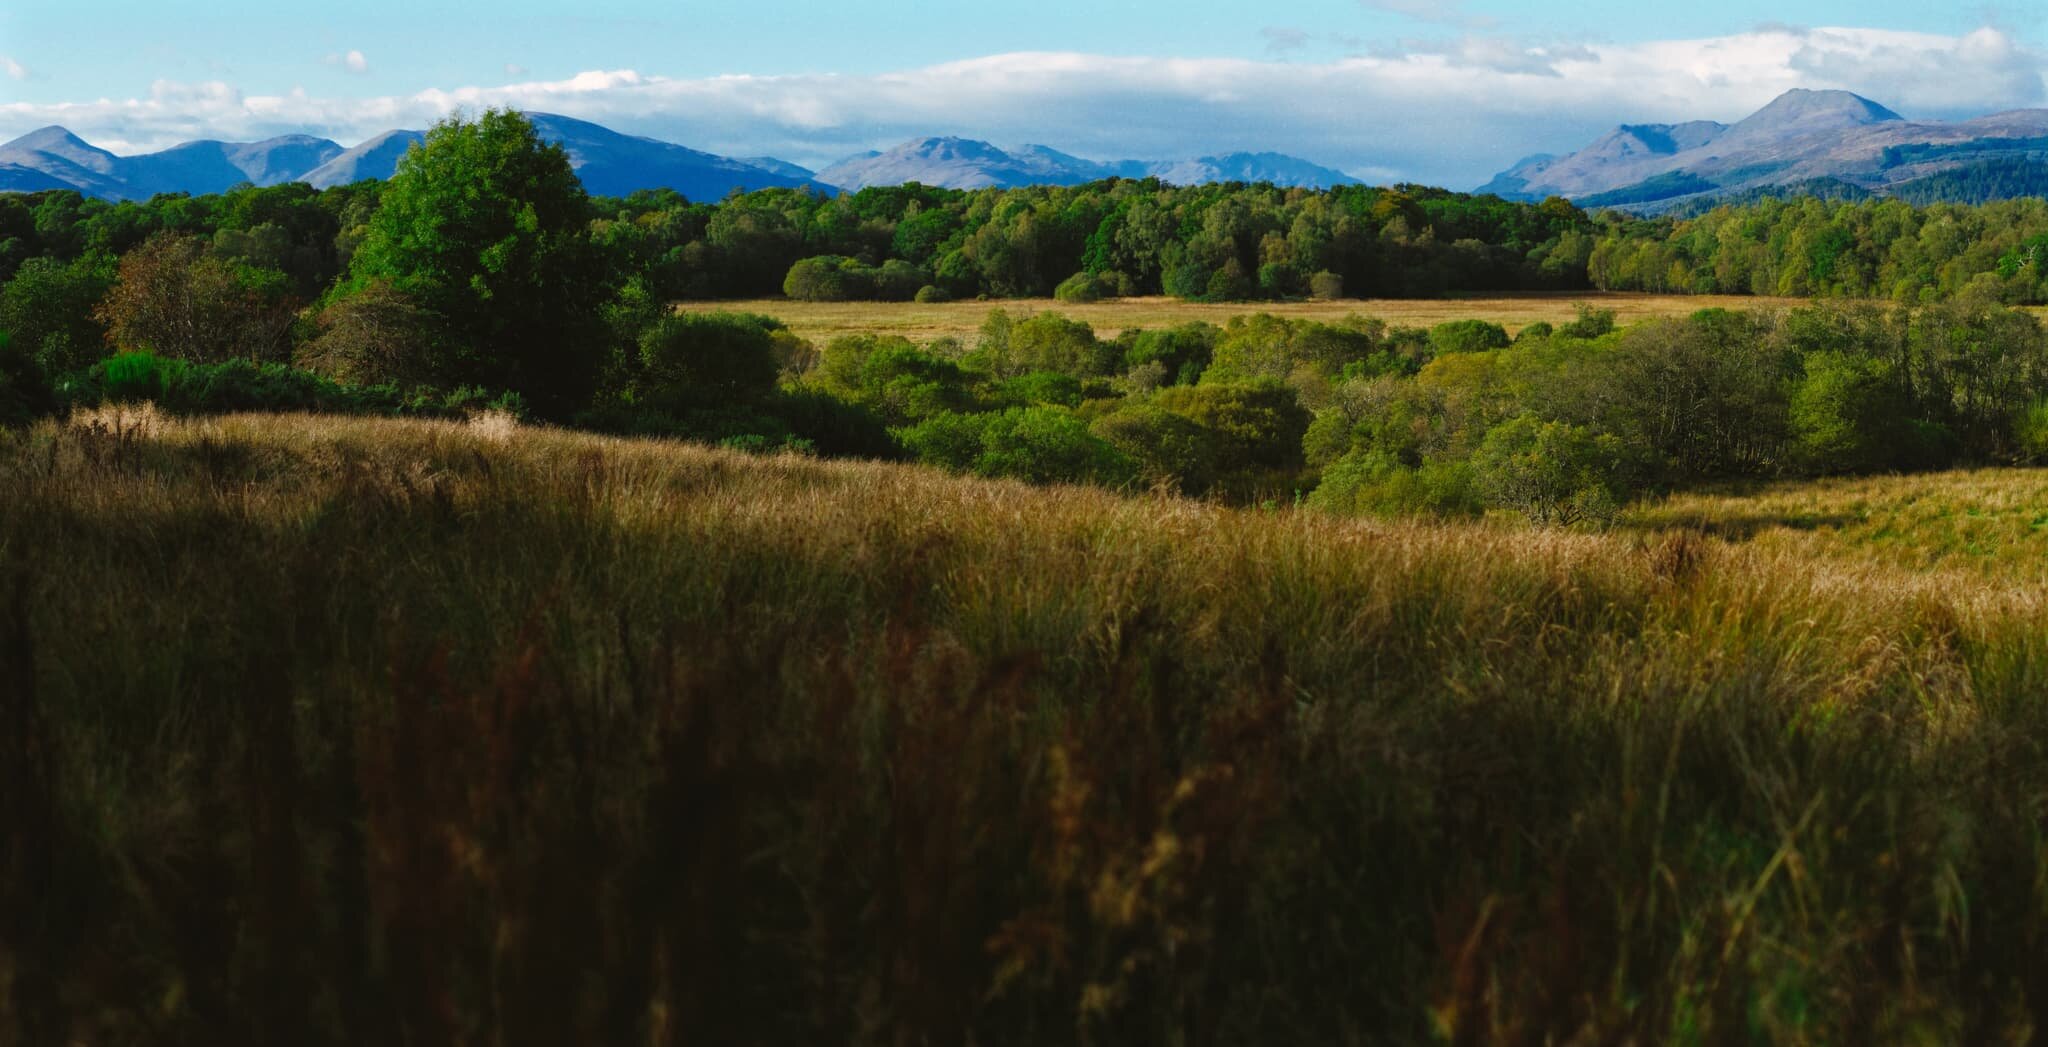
x=353, y=731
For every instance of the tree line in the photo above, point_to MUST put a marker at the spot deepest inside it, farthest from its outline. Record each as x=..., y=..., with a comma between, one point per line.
x=482, y=274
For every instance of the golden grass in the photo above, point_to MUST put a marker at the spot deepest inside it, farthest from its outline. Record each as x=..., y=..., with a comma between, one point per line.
x=1968, y=529
x=355, y=730
x=823, y=321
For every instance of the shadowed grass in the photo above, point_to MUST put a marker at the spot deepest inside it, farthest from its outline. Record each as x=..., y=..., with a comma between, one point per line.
x=330, y=730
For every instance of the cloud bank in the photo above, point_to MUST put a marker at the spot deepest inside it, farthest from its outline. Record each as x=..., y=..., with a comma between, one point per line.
x=1449, y=111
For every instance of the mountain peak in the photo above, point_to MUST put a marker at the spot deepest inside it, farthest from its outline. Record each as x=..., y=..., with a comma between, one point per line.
x=1803, y=110
x=45, y=137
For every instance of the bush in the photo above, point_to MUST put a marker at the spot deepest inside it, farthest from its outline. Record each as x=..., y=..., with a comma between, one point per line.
x=1537, y=331
x=835, y=278
x=1375, y=483
x=819, y=279
x=1279, y=280
x=1041, y=387
x=1081, y=287
x=1038, y=444
x=1552, y=472
x=1184, y=352
x=698, y=359
x=1467, y=336
x=25, y=392
x=1592, y=323
x=1169, y=448
x=1326, y=285
x=932, y=293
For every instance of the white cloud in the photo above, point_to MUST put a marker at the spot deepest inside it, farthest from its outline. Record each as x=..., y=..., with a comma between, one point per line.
x=1450, y=112
x=352, y=61
x=15, y=70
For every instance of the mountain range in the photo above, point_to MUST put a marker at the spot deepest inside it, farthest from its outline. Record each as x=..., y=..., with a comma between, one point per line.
x=608, y=162
x=1803, y=138
x=964, y=163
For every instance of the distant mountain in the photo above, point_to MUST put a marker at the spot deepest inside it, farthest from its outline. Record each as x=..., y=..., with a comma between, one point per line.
x=1277, y=168
x=375, y=158
x=211, y=167
x=1802, y=137
x=54, y=158
x=608, y=162
x=781, y=167
x=966, y=163
x=55, y=153
x=961, y=163
x=614, y=164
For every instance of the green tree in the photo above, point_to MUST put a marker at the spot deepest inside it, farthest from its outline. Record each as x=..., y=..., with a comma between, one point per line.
x=1552, y=472
x=703, y=360
x=485, y=226
x=48, y=307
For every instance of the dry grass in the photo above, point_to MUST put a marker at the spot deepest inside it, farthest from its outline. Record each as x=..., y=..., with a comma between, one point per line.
x=348, y=731
x=823, y=321
x=1968, y=530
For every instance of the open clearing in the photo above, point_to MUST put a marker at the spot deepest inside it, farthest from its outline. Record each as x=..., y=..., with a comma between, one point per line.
x=822, y=321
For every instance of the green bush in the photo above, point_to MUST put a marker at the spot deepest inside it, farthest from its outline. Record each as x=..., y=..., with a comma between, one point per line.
x=1326, y=286
x=1081, y=287
x=1552, y=472
x=1375, y=483
x=1038, y=444
x=1467, y=336
x=696, y=359
x=25, y=392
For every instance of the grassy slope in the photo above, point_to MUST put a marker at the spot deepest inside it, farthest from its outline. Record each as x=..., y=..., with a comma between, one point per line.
x=342, y=730
x=822, y=321
x=1987, y=527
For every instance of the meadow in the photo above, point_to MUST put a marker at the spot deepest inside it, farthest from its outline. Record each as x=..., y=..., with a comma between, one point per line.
x=336, y=730
x=820, y=322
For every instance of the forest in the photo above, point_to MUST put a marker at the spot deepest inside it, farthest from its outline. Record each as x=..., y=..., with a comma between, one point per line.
x=482, y=276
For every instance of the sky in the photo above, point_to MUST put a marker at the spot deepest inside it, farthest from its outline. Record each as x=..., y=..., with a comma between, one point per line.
x=1445, y=92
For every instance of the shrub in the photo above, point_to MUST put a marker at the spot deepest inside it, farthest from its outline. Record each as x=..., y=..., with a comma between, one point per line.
x=1081, y=287
x=1326, y=285
x=25, y=392
x=1467, y=336
x=931, y=293
x=1591, y=323
x=1367, y=482
x=1041, y=387
x=1038, y=444
x=1552, y=472
x=695, y=359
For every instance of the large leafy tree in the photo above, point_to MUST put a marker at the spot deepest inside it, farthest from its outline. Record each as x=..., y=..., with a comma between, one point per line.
x=486, y=227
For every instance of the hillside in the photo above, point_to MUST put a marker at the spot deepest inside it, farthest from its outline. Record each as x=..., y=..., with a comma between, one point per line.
x=436, y=719
x=1801, y=137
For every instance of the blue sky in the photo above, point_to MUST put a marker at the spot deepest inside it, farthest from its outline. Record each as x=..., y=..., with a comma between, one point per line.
x=1430, y=90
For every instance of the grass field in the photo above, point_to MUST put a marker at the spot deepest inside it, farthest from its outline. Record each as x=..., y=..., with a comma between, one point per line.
x=361, y=731
x=1983, y=528
x=822, y=321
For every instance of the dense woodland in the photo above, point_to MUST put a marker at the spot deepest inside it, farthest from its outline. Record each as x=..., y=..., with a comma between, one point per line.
x=483, y=275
